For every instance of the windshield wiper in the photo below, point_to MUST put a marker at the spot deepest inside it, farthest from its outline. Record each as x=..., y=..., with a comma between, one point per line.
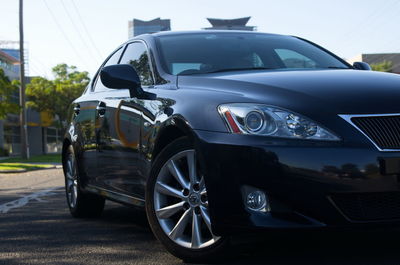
x=337, y=67
x=239, y=69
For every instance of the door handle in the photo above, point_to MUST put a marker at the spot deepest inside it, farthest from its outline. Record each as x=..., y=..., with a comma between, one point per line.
x=101, y=109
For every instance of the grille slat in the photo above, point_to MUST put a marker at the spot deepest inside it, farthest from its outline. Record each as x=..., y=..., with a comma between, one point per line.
x=396, y=129
x=384, y=131
x=372, y=206
x=388, y=141
x=383, y=140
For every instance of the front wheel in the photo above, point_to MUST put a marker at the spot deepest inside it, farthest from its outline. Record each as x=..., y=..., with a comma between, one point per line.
x=177, y=204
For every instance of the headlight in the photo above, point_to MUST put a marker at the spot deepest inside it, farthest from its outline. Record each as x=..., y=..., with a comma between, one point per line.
x=244, y=118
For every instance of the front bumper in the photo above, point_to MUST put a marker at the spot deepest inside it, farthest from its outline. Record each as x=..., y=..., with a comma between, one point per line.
x=309, y=184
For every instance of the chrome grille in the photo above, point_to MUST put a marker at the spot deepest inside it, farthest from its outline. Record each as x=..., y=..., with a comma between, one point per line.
x=382, y=130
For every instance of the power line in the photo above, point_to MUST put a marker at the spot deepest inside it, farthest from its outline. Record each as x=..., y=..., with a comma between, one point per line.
x=63, y=33
x=85, y=28
x=369, y=23
x=362, y=23
x=38, y=68
x=40, y=64
x=77, y=30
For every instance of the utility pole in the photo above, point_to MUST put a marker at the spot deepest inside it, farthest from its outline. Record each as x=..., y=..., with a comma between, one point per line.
x=22, y=117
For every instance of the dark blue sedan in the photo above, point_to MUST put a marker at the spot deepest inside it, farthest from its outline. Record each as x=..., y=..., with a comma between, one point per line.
x=217, y=133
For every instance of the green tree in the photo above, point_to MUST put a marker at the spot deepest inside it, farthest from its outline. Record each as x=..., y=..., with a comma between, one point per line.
x=55, y=96
x=385, y=66
x=7, y=89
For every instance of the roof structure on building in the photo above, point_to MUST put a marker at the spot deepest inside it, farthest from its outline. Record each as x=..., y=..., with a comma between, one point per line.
x=217, y=22
x=8, y=58
x=230, y=24
x=156, y=22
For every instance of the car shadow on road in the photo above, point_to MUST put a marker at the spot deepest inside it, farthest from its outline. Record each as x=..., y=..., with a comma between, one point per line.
x=44, y=231
x=363, y=246
x=321, y=247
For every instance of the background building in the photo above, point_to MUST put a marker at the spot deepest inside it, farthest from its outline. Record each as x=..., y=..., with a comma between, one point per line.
x=231, y=24
x=43, y=137
x=10, y=65
x=376, y=58
x=137, y=27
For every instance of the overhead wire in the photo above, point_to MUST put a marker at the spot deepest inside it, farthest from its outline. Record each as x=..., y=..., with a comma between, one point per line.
x=64, y=34
x=369, y=23
x=85, y=28
x=78, y=32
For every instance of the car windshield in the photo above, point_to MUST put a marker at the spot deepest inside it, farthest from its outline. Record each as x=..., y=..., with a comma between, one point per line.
x=199, y=53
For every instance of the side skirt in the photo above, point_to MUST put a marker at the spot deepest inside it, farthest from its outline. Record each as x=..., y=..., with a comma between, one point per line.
x=116, y=196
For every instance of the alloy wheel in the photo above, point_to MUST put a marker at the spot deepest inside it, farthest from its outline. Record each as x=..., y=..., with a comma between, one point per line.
x=71, y=181
x=181, y=202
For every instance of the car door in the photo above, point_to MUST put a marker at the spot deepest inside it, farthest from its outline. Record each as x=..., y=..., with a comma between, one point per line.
x=83, y=131
x=119, y=129
x=89, y=113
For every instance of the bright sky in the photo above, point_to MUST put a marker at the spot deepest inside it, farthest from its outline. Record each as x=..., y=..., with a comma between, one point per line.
x=56, y=30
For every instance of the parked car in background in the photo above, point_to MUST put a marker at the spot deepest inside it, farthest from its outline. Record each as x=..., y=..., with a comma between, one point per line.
x=216, y=133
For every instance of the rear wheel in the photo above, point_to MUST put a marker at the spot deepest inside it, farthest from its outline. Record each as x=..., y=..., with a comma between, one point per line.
x=177, y=204
x=80, y=204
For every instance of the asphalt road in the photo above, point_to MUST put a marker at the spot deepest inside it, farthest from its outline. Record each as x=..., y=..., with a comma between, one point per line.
x=36, y=228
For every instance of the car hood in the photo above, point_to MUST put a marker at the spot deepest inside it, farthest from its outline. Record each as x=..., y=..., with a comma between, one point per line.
x=340, y=91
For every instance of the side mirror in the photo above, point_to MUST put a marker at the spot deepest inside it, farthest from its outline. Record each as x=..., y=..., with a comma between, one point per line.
x=361, y=66
x=124, y=76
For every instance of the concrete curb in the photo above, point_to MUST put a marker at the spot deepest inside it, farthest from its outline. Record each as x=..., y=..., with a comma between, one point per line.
x=13, y=171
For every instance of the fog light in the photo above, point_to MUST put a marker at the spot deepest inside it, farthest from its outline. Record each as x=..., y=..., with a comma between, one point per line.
x=255, y=200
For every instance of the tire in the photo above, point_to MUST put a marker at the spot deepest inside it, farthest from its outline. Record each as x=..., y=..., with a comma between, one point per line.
x=177, y=205
x=80, y=204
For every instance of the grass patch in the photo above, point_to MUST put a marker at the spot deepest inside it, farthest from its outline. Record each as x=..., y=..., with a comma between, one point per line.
x=21, y=166
x=52, y=158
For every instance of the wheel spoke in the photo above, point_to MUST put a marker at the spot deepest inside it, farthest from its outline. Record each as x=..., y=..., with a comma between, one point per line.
x=202, y=185
x=69, y=187
x=206, y=217
x=185, y=220
x=180, y=226
x=204, y=193
x=168, y=190
x=72, y=198
x=196, y=231
x=191, y=160
x=75, y=191
x=174, y=170
x=69, y=177
x=169, y=211
x=70, y=174
x=73, y=168
x=69, y=167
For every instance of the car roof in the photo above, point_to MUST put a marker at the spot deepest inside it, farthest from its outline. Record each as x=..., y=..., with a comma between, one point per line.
x=191, y=32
